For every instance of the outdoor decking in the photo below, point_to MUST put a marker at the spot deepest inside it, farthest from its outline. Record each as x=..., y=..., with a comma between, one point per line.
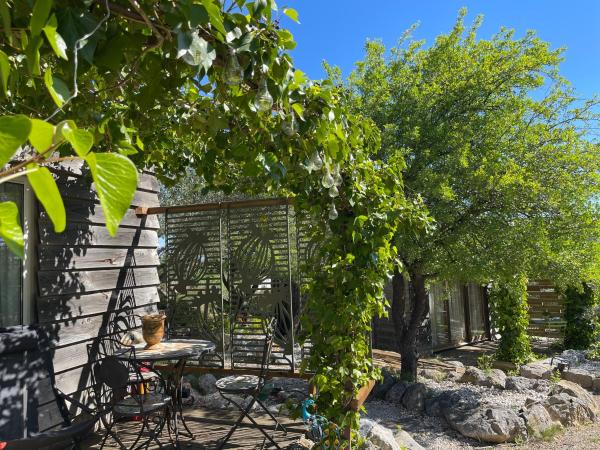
x=208, y=427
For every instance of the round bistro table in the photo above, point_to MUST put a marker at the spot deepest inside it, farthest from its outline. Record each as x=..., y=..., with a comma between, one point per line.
x=179, y=350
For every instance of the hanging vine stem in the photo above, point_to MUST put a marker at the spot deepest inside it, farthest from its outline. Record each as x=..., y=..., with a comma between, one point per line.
x=79, y=44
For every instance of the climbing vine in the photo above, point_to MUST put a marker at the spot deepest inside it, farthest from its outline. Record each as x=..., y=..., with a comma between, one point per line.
x=581, y=316
x=207, y=86
x=508, y=299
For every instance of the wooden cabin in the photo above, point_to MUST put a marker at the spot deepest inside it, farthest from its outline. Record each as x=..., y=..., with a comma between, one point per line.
x=81, y=283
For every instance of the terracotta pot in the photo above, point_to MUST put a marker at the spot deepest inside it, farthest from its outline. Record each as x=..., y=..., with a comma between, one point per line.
x=153, y=329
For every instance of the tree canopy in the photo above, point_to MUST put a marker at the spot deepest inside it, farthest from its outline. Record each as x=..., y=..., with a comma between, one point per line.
x=498, y=147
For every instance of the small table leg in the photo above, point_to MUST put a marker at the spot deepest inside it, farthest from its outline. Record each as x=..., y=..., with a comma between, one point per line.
x=177, y=402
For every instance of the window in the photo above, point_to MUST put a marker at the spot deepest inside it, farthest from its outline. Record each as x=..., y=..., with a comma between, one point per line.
x=16, y=275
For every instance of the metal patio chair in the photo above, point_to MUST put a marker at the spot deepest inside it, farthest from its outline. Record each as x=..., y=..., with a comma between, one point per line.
x=249, y=385
x=31, y=406
x=124, y=391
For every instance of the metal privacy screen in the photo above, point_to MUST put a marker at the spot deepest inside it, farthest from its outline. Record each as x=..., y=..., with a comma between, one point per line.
x=230, y=267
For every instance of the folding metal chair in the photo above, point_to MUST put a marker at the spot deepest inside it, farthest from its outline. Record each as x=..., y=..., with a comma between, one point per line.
x=121, y=389
x=250, y=385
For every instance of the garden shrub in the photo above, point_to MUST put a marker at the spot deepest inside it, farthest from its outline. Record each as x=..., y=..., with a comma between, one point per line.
x=510, y=315
x=581, y=316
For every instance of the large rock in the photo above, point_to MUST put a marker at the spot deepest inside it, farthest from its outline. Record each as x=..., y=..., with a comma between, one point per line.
x=382, y=387
x=473, y=375
x=394, y=395
x=487, y=424
x=405, y=441
x=581, y=377
x=433, y=374
x=436, y=405
x=536, y=370
x=574, y=390
x=301, y=444
x=495, y=378
x=538, y=420
x=596, y=385
x=206, y=384
x=414, y=397
x=568, y=410
x=377, y=437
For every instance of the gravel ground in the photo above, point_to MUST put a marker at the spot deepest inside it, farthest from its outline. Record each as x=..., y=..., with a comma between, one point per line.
x=433, y=432
x=584, y=437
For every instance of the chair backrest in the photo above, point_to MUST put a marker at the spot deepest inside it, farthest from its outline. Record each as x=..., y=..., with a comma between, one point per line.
x=252, y=343
x=28, y=402
x=112, y=365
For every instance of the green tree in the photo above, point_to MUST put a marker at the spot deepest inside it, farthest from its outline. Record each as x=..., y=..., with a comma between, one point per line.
x=498, y=147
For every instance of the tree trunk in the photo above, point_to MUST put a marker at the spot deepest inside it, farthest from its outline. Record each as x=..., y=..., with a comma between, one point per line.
x=408, y=330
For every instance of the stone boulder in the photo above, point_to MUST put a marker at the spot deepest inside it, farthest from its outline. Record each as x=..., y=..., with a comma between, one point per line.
x=487, y=424
x=433, y=374
x=568, y=410
x=495, y=378
x=473, y=375
x=536, y=370
x=438, y=403
x=596, y=385
x=206, y=384
x=394, y=395
x=537, y=419
x=301, y=444
x=574, y=390
x=414, y=397
x=382, y=387
x=405, y=441
x=580, y=376
x=377, y=437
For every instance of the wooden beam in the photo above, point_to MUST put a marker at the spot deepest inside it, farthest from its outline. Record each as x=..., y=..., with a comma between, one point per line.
x=147, y=210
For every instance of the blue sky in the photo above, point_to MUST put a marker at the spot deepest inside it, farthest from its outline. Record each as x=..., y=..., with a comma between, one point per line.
x=335, y=30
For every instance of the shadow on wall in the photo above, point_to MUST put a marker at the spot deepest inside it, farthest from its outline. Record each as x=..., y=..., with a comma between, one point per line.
x=82, y=297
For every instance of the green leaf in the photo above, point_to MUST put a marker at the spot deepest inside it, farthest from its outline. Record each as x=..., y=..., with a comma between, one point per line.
x=81, y=140
x=10, y=229
x=57, y=88
x=41, y=135
x=4, y=72
x=215, y=15
x=14, y=131
x=56, y=41
x=32, y=51
x=6, y=21
x=299, y=110
x=116, y=181
x=40, y=13
x=292, y=14
x=47, y=192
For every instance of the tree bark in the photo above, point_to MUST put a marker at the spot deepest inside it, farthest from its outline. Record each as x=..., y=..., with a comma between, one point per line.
x=407, y=325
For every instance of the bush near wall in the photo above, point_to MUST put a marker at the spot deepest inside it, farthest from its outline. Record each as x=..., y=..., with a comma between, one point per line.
x=508, y=299
x=581, y=316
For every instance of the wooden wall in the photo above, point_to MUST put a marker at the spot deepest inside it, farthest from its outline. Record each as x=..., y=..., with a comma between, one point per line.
x=546, y=310
x=89, y=283
x=457, y=314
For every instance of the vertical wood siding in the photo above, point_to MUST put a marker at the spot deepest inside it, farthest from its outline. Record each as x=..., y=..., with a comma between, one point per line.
x=89, y=283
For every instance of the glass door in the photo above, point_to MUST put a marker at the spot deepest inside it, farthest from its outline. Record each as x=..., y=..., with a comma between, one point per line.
x=11, y=267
